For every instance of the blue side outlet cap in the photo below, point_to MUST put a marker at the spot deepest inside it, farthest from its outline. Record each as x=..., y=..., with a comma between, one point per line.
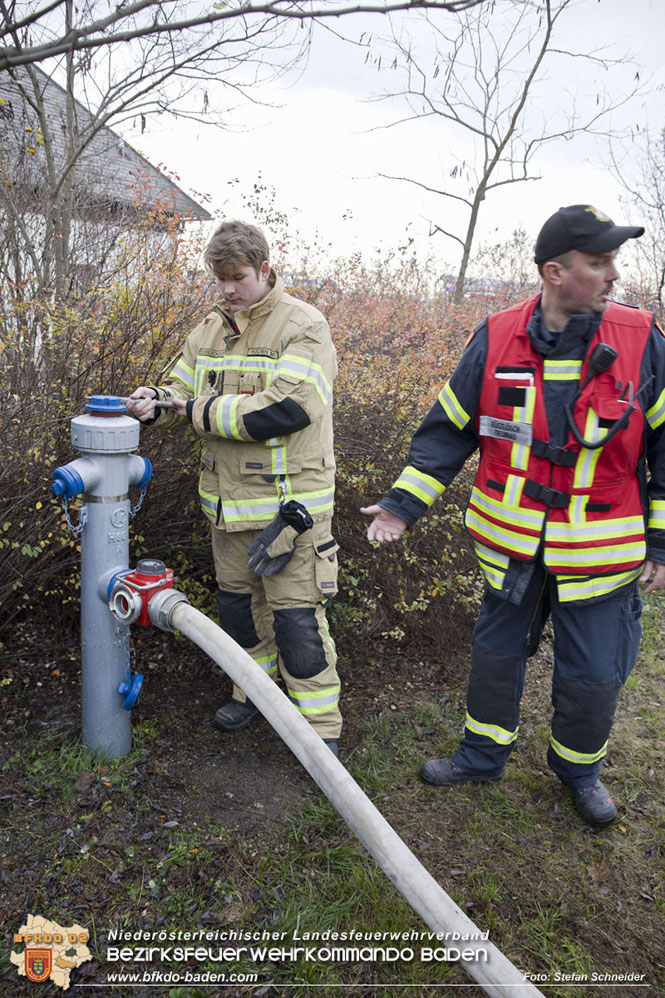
x=67, y=482
x=130, y=690
x=147, y=474
x=105, y=405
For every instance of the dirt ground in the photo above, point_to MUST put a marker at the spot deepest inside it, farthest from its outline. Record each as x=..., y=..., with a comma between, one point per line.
x=250, y=781
x=249, y=778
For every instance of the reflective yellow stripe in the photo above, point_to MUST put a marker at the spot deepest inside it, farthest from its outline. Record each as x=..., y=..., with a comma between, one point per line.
x=493, y=564
x=572, y=756
x=562, y=370
x=520, y=453
x=184, y=373
x=331, y=640
x=225, y=416
x=319, y=702
x=577, y=509
x=497, y=558
x=606, y=555
x=585, y=467
x=623, y=526
x=246, y=510
x=268, y=663
x=656, y=414
x=306, y=370
x=278, y=460
x=512, y=515
x=575, y=587
x=656, y=514
x=514, y=488
x=423, y=486
x=493, y=731
x=454, y=411
x=519, y=543
x=208, y=501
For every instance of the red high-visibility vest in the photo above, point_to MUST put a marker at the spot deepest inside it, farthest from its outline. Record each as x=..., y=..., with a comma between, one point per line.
x=582, y=505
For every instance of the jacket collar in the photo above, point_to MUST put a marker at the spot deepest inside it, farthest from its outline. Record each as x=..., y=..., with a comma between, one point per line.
x=241, y=320
x=579, y=328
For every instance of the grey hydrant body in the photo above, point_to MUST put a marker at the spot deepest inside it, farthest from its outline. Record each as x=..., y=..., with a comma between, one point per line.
x=103, y=475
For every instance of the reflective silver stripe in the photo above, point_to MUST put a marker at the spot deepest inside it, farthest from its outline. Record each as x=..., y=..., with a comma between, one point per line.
x=495, y=577
x=253, y=509
x=184, y=373
x=594, y=530
x=499, y=735
x=576, y=587
x=595, y=556
x=585, y=467
x=657, y=514
x=656, y=414
x=209, y=502
x=268, y=663
x=488, y=554
x=315, y=703
x=514, y=489
x=308, y=371
x=506, y=538
x=521, y=452
x=510, y=515
x=572, y=756
x=226, y=416
x=454, y=411
x=421, y=485
x=562, y=370
x=288, y=364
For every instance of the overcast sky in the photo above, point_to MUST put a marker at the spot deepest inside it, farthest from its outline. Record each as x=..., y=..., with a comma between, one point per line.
x=318, y=146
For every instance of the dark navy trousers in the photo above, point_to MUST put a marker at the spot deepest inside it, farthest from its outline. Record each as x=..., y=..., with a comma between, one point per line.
x=595, y=648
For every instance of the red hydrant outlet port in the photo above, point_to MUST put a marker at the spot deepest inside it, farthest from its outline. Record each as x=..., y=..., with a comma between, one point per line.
x=131, y=591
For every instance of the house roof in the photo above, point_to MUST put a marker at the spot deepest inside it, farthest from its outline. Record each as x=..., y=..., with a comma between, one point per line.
x=110, y=171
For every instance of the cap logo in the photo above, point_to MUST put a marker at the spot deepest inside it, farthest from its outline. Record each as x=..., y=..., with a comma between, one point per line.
x=600, y=215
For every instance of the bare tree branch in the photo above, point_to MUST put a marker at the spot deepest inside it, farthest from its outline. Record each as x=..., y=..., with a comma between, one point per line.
x=478, y=73
x=98, y=33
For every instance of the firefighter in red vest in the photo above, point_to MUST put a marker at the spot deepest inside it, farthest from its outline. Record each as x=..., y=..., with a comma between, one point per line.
x=564, y=395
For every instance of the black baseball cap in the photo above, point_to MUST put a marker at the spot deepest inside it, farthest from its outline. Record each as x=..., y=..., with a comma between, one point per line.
x=581, y=227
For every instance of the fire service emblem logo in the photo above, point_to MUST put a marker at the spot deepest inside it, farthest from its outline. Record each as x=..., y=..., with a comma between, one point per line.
x=38, y=964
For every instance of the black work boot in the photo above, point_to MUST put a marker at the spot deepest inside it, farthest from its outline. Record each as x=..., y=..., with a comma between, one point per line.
x=595, y=805
x=234, y=715
x=333, y=745
x=445, y=773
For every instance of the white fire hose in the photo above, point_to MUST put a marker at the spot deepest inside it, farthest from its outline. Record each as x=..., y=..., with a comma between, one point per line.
x=171, y=611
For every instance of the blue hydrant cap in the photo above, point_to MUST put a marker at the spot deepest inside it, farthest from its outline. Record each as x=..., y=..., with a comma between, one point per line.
x=130, y=690
x=67, y=482
x=105, y=404
x=147, y=474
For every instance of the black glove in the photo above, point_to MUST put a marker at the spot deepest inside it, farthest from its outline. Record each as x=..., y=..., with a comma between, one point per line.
x=274, y=547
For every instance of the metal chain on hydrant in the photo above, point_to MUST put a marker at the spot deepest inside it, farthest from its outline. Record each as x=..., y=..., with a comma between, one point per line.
x=75, y=531
x=133, y=510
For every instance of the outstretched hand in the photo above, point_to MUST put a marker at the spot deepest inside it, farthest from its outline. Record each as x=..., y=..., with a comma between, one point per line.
x=385, y=526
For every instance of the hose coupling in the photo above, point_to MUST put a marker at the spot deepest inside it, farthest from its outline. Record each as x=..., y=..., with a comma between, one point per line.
x=162, y=605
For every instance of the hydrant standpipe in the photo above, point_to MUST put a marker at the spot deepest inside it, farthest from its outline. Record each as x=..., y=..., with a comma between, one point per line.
x=106, y=438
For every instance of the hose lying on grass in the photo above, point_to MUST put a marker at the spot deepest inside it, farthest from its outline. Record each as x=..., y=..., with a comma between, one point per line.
x=171, y=611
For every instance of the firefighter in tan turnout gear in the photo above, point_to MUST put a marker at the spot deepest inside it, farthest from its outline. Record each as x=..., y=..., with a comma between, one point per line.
x=255, y=381
x=564, y=395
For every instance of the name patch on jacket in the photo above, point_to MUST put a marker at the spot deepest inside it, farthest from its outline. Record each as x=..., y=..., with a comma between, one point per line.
x=263, y=352
x=505, y=429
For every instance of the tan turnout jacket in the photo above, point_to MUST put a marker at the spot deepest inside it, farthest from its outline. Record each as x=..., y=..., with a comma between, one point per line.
x=260, y=389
